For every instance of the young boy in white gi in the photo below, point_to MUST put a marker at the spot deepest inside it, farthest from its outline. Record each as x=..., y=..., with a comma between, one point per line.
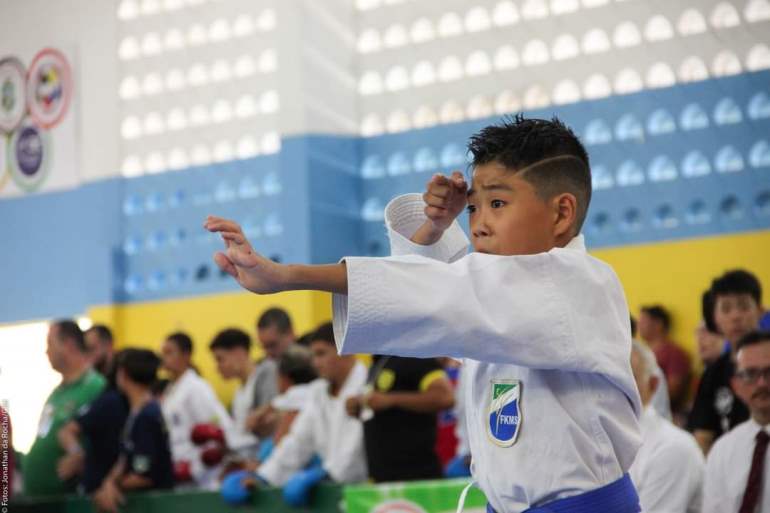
x=542, y=326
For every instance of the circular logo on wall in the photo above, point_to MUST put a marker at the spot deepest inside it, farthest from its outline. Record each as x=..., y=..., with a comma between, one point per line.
x=13, y=104
x=49, y=87
x=29, y=155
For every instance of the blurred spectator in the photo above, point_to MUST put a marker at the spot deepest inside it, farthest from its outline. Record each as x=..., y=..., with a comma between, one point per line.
x=668, y=469
x=736, y=297
x=7, y=463
x=322, y=427
x=80, y=385
x=145, y=455
x=189, y=401
x=100, y=346
x=654, y=328
x=231, y=349
x=736, y=470
x=304, y=340
x=275, y=332
x=660, y=400
x=446, y=438
x=400, y=431
x=460, y=464
x=100, y=425
x=295, y=373
x=711, y=345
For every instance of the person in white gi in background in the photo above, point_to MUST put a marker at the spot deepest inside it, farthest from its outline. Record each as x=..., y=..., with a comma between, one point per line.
x=668, y=469
x=189, y=401
x=738, y=465
x=322, y=427
x=660, y=400
x=551, y=404
x=259, y=385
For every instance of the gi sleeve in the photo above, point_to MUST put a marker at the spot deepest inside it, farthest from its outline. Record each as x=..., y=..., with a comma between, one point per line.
x=294, y=450
x=404, y=215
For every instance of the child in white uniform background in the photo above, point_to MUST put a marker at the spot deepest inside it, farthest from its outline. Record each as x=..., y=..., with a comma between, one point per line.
x=551, y=404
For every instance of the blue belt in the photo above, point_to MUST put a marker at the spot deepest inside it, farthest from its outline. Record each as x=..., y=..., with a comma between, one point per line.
x=617, y=497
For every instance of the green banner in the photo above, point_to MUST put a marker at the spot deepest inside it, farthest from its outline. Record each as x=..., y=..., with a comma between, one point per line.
x=415, y=497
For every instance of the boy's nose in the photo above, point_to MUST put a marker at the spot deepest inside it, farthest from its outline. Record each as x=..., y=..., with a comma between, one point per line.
x=480, y=229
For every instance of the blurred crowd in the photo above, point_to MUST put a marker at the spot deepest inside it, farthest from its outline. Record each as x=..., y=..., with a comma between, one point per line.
x=303, y=413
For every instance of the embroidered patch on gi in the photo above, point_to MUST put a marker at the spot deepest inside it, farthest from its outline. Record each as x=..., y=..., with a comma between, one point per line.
x=504, y=412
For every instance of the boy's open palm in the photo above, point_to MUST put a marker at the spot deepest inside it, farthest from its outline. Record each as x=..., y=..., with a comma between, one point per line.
x=251, y=270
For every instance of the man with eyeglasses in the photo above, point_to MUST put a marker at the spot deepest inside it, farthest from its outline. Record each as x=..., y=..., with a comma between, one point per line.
x=737, y=473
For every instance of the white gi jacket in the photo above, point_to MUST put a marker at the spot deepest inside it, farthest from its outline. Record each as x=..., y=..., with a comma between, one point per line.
x=727, y=470
x=187, y=402
x=551, y=403
x=323, y=427
x=669, y=467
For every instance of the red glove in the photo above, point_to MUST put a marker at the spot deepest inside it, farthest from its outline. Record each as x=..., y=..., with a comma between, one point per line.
x=212, y=454
x=202, y=433
x=182, y=473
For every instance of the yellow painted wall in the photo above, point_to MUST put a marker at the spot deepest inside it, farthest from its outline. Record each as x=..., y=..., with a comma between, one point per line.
x=675, y=274
x=146, y=324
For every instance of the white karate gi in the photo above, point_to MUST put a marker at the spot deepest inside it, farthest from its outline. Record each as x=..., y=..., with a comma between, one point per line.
x=556, y=324
x=669, y=467
x=187, y=402
x=323, y=427
x=727, y=470
x=293, y=399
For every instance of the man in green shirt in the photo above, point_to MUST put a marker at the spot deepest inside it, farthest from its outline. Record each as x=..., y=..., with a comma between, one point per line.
x=80, y=385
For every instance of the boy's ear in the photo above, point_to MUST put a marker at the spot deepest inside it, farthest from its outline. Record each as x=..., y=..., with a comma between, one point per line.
x=565, y=209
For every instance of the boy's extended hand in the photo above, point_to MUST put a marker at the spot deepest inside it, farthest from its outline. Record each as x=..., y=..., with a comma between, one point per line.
x=251, y=270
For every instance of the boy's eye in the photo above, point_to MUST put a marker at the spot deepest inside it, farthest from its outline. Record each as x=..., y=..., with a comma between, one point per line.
x=471, y=208
x=497, y=203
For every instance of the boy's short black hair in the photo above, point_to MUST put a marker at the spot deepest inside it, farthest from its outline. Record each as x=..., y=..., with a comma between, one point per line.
x=750, y=339
x=103, y=332
x=182, y=341
x=325, y=333
x=231, y=338
x=707, y=311
x=304, y=340
x=67, y=328
x=275, y=317
x=659, y=313
x=737, y=281
x=546, y=153
x=296, y=364
x=139, y=365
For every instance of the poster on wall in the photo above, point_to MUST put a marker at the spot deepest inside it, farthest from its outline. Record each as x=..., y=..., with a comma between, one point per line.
x=37, y=123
